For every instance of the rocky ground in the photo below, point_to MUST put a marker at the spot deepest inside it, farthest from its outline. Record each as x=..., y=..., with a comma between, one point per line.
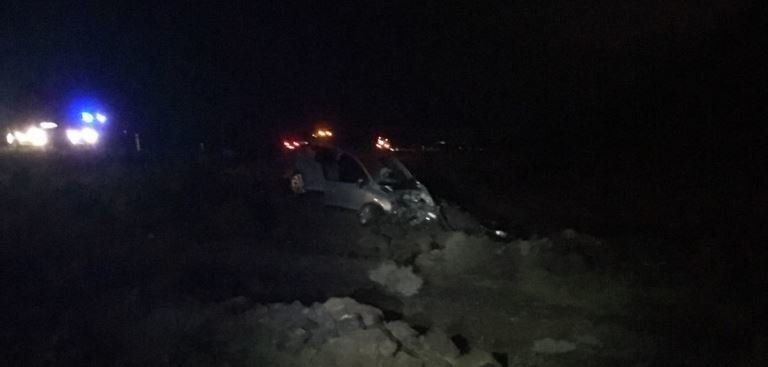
x=140, y=264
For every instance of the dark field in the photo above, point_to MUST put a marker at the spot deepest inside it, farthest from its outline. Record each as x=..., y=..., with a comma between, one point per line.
x=94, y=248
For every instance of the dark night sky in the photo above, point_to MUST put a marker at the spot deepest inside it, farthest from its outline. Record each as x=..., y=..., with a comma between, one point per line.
x=602, y=71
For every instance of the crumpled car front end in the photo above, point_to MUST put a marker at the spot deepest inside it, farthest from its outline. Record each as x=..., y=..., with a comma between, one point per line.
x=414, y=206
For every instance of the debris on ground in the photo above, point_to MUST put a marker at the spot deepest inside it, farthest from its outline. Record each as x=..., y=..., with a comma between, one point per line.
x=396, y=279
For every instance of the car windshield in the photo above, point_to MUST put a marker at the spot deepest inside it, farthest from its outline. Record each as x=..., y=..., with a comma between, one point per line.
x=388, y=171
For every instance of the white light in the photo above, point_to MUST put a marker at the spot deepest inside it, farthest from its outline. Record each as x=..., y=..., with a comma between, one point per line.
x=48, y=125
x=101, y=118
x=20, y=137
x=74, y=136
x=383, y=143
x=10, y=138
x=37, y=137
x=90, y=136
x=86, y=117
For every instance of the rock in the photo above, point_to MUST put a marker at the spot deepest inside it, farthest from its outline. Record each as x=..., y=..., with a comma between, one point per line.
x=405, y=360
x=398, y=280
x=438, y=341
x=349, y=323
x=320, y=336
x=424, y=242
x=403, y=332
x=293, y=340
x=477, y=358
x=342, y=308
x=371, y=344
x=318, y=314
x=552, y=346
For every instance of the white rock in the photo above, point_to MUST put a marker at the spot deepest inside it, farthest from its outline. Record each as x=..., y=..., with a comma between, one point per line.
x=344, y=308
x=399, y=280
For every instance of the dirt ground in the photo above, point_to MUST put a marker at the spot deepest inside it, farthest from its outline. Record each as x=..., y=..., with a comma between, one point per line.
x=99, y=256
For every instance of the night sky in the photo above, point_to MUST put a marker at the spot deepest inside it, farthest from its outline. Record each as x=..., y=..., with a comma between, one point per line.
x=601, y=73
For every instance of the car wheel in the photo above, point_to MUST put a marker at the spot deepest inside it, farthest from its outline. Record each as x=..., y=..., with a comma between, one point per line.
x=370, y=214
x=296, y=183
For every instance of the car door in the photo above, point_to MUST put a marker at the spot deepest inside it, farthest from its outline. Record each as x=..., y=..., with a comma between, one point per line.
x=308, y=164
x=347, y=190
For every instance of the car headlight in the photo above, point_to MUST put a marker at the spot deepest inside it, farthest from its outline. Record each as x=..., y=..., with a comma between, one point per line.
x=90, y=136
x=37, y=137
x=85, y=135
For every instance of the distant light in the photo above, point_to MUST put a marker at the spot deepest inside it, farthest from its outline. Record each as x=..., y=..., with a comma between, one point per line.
x=74, y=136
x=289, y=145
x=101, y=118
x=36, y=136
x=10, y=138
x=48, y=125
x=87, y=117
x=322, y=133
x=89, y=135
x=383, y=143
x=500, y=233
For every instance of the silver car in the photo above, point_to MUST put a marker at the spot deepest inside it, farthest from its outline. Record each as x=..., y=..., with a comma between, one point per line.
x=376, y=185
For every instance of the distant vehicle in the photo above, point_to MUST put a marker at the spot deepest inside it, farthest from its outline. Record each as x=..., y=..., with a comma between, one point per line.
x=377, y=185
x=49, y=135
x=32, y=136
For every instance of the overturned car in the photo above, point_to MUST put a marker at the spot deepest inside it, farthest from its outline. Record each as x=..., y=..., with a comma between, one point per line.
x=377, y=185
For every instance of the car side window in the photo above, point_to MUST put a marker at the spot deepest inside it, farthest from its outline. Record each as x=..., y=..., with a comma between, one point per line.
x=326, y=158
x=349, y=170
